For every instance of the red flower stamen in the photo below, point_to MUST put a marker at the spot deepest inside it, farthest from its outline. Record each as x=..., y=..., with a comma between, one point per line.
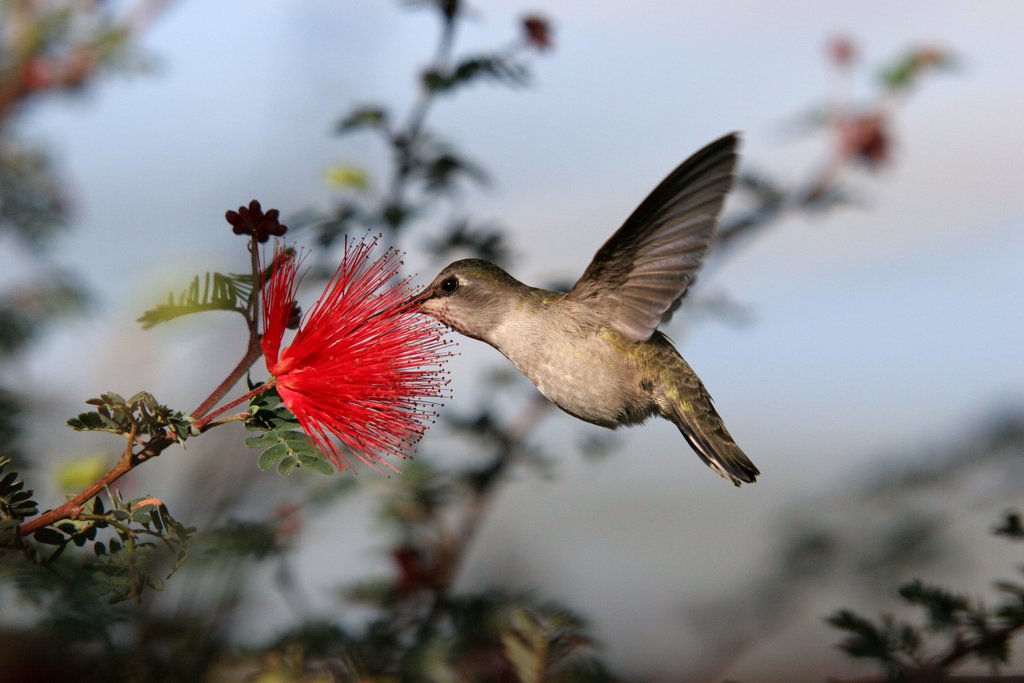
x=362, y=367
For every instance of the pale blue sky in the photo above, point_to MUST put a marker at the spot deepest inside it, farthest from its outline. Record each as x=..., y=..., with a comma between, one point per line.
x=873, y=328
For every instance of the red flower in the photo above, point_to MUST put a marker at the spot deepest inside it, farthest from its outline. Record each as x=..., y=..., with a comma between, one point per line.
x=362, y=367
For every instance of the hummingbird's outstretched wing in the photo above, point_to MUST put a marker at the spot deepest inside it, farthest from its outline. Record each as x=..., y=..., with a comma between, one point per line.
x=640, y=275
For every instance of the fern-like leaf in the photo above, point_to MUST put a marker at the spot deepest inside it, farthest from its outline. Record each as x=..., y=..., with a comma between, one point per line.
x=216, y=292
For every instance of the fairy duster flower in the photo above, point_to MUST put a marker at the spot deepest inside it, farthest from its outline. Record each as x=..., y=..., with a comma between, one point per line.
x=362, y=367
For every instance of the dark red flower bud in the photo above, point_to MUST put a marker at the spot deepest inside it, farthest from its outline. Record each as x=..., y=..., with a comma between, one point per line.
x=866, y=137
x=295, y=317
x=252, y=221
x=538, y=32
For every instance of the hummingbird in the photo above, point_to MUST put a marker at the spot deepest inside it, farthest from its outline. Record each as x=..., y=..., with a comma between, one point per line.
x=596, y=351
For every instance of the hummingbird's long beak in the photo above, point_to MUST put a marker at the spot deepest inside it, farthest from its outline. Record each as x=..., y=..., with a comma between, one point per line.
x=414, y=301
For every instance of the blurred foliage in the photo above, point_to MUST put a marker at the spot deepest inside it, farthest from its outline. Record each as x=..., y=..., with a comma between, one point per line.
x=953, y=630
x=125, y=564
x=486, y=241
x=31, y=203
x=16, y=504
x=426, y=167
x=27, y=309
x=862, y=135
x=891, y=525
x=45, y=48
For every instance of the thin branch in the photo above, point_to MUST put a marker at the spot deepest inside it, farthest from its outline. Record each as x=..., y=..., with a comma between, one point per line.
x=252, y=353
x=205, y=421
x=483, y=495
x=404, y=142
x=962, y=649
x=74, y=507
x=479, y=504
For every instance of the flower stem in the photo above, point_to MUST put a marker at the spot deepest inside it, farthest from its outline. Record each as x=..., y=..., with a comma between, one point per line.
x=252, y=354
x=205, y=420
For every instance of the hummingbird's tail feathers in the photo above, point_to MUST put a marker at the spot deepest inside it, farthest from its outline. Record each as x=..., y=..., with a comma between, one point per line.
x=713, y=443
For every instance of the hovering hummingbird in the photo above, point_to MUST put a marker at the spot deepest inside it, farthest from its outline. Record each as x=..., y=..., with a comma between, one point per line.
x=595, y=351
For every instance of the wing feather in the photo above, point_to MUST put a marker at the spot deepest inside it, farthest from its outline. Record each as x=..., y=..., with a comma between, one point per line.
x=640, y=275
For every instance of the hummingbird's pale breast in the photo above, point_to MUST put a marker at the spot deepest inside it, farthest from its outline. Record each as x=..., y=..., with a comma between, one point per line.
x=577, y=362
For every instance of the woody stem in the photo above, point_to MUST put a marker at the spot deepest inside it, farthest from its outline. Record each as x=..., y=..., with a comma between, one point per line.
x=205, y=419
x=252, y=353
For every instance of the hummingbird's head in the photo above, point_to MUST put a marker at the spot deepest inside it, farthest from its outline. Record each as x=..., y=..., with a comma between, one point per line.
x=470, y=296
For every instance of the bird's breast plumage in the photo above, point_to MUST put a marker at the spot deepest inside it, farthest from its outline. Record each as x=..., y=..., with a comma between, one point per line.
x=577, y=362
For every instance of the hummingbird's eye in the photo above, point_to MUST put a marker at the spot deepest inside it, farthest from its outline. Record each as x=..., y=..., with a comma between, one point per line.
x=450, y=284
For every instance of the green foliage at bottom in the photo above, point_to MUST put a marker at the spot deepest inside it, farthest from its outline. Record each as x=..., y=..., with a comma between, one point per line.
x=953, y=630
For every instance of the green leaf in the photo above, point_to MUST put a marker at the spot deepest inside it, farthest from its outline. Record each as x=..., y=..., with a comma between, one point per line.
x=50, y=536
x=118, y=415
x=16, y=503
x=95, y=422
x=288, y=465
x=284, y=445
x=904, y=70
x=316, y=462
x=287, y=449
x=270, y=457
x=496, y=68
x=77, y=473
x=347, y=177
x=361, y=118
x=216, y=292
x=944, y=608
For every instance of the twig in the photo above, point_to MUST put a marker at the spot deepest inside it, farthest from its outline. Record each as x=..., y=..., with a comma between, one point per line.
x=254, y=350
x=962, y=649
x=477, y=507
x=403, y=142
x=487, y=483
x=252, y=354
x=74, y=507
x=204, y=421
